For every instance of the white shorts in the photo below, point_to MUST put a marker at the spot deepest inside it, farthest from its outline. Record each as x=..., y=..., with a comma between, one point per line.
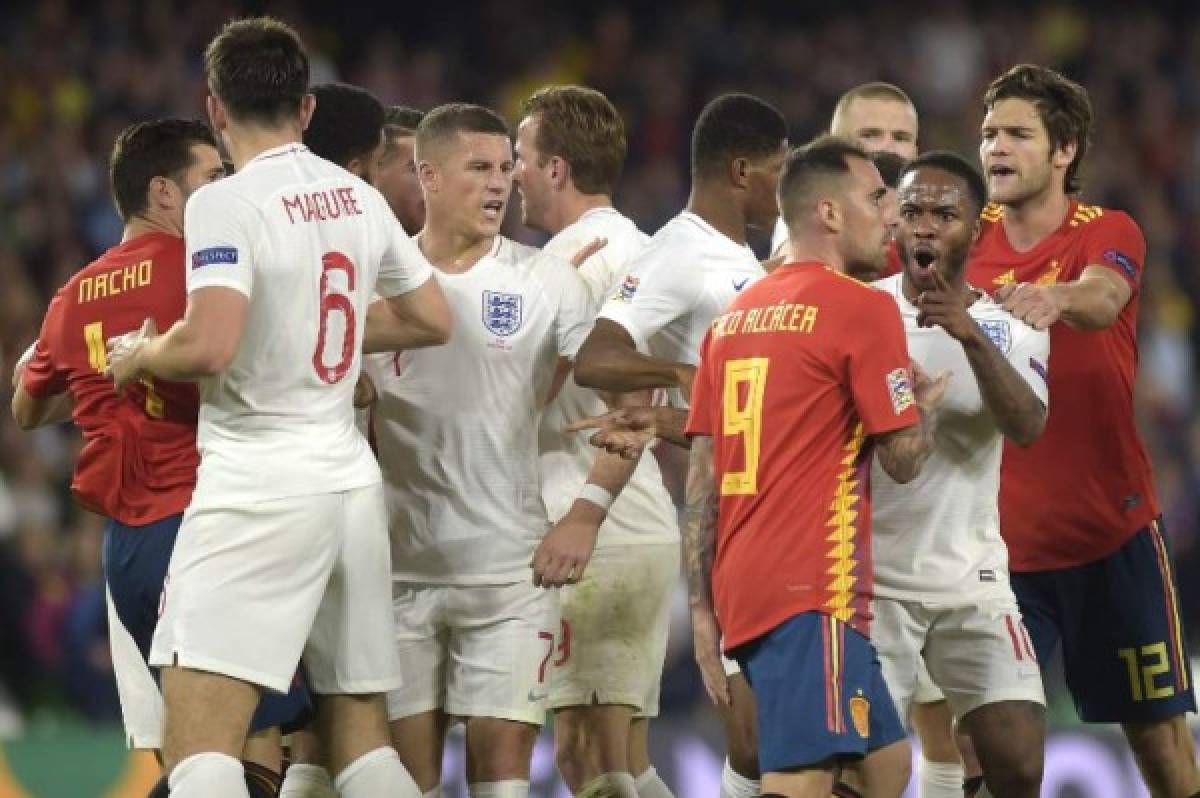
x=974, y=652
x=615, y=628
x=926, y=691
x=141, y=701
x=253, y=588
x=485, y=651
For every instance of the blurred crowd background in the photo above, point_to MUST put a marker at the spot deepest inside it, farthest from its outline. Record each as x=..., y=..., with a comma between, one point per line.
x=72, y=74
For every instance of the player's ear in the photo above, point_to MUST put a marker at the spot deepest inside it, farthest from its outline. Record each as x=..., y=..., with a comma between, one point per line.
x=1064, y=154
x=216, y=113
x=829, y=214
x=163, y=194
x=428, y=175
x=739, y=172
x=308, y=104
x=560, y=172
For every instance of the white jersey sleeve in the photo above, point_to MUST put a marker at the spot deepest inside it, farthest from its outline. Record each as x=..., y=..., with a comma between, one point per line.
x=596, y=271
x=220, y=241
x=404, y=267
x=651, y=298
x=573, y=321
x=1030, y=356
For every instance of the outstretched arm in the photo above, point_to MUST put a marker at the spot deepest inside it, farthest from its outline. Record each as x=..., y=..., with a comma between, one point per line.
x=1093, y=302
x=202, y=343
x=609, y=361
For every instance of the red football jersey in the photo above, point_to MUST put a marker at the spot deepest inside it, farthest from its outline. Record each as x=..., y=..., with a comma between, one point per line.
x=895, y=264
x=138, y=463
x=797, y=374
x=1085, y=487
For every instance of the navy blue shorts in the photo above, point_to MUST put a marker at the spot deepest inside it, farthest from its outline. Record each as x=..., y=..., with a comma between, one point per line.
x=820, y=694
x=135, y=565
x=1124, y=650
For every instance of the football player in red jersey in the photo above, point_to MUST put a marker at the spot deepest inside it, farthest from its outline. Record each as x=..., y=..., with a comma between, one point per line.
x=138, y=464
x=807, y=371
x=1091, y=566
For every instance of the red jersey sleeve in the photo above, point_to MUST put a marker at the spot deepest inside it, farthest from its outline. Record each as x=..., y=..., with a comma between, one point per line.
x=700, y=421
x=877, y=361
x=1116, y=242
x=46, y=375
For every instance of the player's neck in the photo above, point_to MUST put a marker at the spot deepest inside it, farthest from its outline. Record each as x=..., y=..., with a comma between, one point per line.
x=451, y=251
x=142, y=225
x=721, y=212
x=808, y=250
x=247, y=142
x=1028, y=223
x=573, y=205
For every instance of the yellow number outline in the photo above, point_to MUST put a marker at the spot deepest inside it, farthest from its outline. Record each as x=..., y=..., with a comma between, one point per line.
x=1142, y=676
x=93, y=336
x=744, y=421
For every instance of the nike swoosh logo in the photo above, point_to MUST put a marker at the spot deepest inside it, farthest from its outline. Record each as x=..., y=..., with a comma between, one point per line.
x=739, y=286
x=535, y=697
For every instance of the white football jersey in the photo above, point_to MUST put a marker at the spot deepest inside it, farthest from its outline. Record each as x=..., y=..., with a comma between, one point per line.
x=681, y=281
x=643, y=512
x=938, y=538
x=456, y=426
x=308, y=243
x=778, y=236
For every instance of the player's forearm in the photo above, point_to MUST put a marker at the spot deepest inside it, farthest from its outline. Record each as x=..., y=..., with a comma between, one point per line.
x=700, y=527
x=415, y=320
x=1019, y=413
x=1091, y=302
x=183, y=353
x=670, y=423
x=30, y=412
x=902, y=454
x=612, y=368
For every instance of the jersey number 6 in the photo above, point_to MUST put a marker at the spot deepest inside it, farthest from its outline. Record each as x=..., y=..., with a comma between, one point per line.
x=330, y=302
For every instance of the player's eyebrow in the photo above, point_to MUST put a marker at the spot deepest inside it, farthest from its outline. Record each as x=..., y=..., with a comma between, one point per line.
x=870, y=131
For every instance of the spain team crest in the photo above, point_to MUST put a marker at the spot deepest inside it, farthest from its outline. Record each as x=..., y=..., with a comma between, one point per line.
x=860, y=715
x=999, y=333
x=501, y=312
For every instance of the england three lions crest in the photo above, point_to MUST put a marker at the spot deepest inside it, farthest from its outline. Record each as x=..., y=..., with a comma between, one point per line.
x=501, y=312
x=999, y=333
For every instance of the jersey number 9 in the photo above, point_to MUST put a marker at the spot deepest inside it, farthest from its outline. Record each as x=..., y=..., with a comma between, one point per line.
x=745, y=384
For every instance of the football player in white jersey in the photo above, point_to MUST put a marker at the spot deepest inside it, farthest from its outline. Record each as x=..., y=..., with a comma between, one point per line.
x=880, y=117
x=570, y=150
x=648, y=334
x=283, y=551
x=456, y=430
x=396, y=174
x=941, y=567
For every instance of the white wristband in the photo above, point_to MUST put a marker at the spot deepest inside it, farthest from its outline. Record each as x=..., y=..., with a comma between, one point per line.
x=596, y=495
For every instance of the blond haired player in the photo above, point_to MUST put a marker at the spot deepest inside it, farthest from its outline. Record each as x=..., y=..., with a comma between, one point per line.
x=570, y=149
